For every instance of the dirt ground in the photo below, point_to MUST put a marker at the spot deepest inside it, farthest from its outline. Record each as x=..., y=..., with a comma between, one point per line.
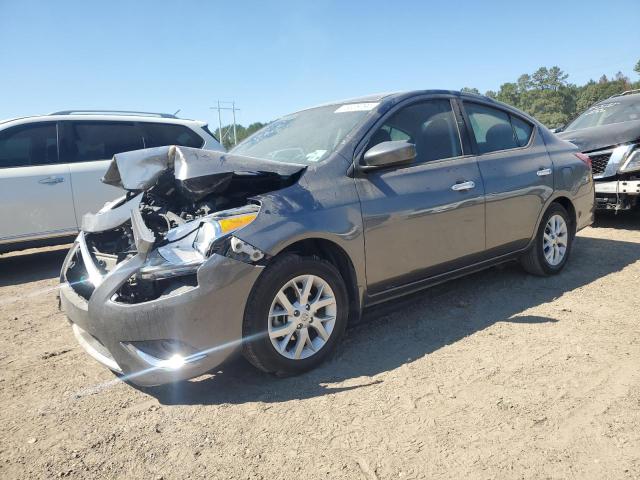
x=498, y=375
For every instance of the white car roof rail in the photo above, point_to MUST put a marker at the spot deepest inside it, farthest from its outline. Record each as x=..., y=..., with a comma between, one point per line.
x=114, y=112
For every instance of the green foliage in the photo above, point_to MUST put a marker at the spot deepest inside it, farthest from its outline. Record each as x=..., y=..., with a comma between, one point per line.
x=593, y=92
x=241, y=132
x=548, y=96
x=545, y=94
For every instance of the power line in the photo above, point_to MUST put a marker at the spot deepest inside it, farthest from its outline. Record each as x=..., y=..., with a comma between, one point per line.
x=231, y=129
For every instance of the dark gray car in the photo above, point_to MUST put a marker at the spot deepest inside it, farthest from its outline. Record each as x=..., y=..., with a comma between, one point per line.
x=609, y=133
x=271, y=248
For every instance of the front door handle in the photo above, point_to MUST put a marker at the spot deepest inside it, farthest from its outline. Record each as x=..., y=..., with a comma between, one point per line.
x=51, y=180
x=463, y=186
x=543, y=172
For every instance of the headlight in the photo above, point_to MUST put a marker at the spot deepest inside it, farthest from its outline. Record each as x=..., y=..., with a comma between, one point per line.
x=187, y=246
x=632, y=163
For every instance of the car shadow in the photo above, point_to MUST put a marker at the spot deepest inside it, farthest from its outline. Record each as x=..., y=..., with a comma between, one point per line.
x=18, y=268
x=623, y=220
x=405, y=330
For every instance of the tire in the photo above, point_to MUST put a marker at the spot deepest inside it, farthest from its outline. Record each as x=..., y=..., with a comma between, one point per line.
x=534, y=260
x=260, y=324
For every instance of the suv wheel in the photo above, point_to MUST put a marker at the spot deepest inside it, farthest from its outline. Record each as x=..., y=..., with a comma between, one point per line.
x=295, y=316
x=552, y=245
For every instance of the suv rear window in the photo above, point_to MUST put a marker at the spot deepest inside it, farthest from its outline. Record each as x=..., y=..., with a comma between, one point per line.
x=85, y=141
x=31, y=144
x=161, y=134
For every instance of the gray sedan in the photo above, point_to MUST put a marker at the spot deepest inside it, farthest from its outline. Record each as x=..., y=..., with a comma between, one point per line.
x=272, y=248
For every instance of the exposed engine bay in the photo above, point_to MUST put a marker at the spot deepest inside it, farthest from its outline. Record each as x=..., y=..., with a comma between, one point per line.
x=182, y=206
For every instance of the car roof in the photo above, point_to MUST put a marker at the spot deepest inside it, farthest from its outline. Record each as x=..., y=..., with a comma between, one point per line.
x=623, y=98
x=93, y=115
x=395, y=97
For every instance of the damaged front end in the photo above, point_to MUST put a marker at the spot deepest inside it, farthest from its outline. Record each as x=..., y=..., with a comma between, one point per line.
x=616, y=171
x=182, y=206
x=156, y=283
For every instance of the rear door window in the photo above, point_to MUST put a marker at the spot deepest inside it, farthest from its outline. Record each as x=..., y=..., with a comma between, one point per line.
x=30, y=144
x=86, y=141
x=162, y=134
x=491, y=127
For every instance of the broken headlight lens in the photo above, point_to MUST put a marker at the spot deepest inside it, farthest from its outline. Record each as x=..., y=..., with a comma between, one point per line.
x=187, y=246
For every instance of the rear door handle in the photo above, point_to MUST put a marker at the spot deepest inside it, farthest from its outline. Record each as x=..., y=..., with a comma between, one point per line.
x=463, y=186
x=543, y=172
x=51, y=180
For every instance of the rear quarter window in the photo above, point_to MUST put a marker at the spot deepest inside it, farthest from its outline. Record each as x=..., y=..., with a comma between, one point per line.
x=522, y=129
x=162, y=134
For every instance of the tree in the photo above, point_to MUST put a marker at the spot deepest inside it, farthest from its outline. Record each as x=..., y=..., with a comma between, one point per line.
x=593, y=92
x=470, y=90
x=637, y=68
x=545, y=94
x=241, y=131
x=509, y=93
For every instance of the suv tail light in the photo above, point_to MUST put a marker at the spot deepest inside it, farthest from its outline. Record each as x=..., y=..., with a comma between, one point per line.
x=585, y=158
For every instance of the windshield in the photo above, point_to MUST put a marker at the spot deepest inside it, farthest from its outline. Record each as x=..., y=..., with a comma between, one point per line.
x=614, y=111
x=305, y=137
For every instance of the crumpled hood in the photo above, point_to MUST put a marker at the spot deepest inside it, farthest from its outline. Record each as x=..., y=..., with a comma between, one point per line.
x=595, y=138
x=197, y=172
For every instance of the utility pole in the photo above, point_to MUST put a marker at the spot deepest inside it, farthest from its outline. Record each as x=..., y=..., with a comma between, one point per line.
x=226, y=133
x=235, y=135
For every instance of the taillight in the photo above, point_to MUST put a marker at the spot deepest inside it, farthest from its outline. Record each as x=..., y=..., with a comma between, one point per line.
x=585, y=158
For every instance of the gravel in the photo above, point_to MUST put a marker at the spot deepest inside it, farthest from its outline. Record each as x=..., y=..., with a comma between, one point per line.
x=497, y=375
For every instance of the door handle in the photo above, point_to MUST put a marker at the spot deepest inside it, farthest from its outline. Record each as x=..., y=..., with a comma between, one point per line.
x=543, y=172
x=51, y=180
x=463, y=186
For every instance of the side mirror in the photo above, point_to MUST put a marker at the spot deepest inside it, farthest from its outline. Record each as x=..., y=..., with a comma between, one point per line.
x=558, y=129
x=388, y=154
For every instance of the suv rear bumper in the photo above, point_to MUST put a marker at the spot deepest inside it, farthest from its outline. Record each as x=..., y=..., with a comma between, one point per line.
x=207, y=318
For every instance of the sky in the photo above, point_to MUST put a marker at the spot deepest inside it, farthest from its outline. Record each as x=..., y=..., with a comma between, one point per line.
x=275, y=57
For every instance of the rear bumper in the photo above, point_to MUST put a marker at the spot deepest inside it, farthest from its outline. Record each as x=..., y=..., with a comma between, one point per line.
x=207, y=318
x=584, y=206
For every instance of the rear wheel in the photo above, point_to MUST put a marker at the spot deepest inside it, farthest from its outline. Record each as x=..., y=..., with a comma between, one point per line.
x=550, y=251
x=295, y=315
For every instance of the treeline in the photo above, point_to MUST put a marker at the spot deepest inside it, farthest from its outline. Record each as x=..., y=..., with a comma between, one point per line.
x=241, y=133
x=547, y=95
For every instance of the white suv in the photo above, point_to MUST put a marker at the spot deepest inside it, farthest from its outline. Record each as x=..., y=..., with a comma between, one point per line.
x=51, y=166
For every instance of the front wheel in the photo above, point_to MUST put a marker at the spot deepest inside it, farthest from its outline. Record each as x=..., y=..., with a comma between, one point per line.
x=296, y=313
x=550, y=250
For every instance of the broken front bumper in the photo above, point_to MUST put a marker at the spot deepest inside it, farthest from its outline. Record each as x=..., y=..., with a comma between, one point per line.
x=206, y=318
x=617, y=194
x=627, y=187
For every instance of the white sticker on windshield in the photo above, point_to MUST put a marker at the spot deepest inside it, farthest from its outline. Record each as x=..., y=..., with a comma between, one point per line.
x=356, y=107
x=315, y=156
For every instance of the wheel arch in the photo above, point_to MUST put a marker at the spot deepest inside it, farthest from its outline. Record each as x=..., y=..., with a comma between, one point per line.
x=569, y=207
x=338, y=257
x=567, y=204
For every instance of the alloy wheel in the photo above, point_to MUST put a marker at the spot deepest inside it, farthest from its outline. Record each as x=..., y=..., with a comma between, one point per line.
x=555, y=240
x=302, y=317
